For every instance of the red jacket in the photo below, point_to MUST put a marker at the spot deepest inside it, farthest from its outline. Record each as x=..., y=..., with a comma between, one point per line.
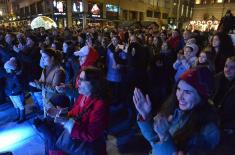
x=174, y=42
x=93, y=122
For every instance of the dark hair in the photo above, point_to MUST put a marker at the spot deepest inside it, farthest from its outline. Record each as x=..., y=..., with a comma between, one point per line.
x=106, y=41
x=71, y=48
x=96, y=78
x=232, y=58
x=226, y=44
x=198, y=117
x=189, y=48
x=209, y=62
x=53, y=53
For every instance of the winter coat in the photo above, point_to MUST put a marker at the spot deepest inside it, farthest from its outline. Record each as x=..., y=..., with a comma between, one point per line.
x=114, y=73
x=182, y=67
x=227, y=23
x=225, y=103
x=176, y=43
x=92, y=124
x=14, y=84
x=6, y=53
x=48, y=82
x=30, y=57
x=137, y=66
x=206, y=140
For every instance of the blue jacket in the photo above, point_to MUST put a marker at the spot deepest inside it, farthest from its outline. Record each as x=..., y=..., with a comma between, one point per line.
x=206, y=140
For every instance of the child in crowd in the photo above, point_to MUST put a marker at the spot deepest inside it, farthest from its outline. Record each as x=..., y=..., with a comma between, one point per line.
x=205, y=59
x=185, y=60
x=14, y=86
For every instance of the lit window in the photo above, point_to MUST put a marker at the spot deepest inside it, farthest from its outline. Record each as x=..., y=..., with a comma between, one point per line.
x=197, y=1
x=219, y=1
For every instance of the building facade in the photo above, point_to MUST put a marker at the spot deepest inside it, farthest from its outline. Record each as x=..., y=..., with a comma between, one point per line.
x=207, y=13
x=73, y=12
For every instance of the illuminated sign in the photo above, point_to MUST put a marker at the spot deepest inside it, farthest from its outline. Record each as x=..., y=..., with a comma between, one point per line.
x=78, y=7
x=112, y=11
x=58, y=13
x=59, y=6
x=111, y=8
x=95, y=10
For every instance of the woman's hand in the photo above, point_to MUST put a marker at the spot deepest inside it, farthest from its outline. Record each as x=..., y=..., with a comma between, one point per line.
x=61, y=88
x=33, y=84
x=61, y=116
x=161, y=126
x=61, y=120
x=142, y=103
x=53, y=112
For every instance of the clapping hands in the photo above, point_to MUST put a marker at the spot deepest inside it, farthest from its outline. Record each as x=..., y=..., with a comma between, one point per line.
x=161, y=126
x=61, y=116
x=33, y=84
x=142, y=103
x=61, y=88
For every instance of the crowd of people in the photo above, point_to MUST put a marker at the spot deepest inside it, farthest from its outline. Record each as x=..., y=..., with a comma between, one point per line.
x=92, y=82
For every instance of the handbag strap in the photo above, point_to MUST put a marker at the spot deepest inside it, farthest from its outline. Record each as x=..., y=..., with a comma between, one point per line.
x=79, y=116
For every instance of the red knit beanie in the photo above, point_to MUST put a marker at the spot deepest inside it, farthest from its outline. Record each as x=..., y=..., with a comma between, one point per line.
x=201, y=78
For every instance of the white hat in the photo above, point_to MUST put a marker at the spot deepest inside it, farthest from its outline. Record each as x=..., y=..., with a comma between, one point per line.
x=194, y=47
x=11, y=64
x=82, y=52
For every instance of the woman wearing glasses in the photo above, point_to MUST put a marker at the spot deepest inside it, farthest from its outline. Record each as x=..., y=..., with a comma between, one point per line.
x=88, y=118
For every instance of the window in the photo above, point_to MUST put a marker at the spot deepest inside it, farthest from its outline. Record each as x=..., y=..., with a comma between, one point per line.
x=21, y=12
x=204, y=2
x=149, y=13
x=32, y=9
x=111, y=11
x=157, y=14
x=197, y=1
x=133, y=15
x=39, y=7
x=27, y=11
x=125, y=14
x=111, y=8
x=164, y=15
x=219, y=1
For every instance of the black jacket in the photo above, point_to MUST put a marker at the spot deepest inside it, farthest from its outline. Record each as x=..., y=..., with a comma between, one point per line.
x=224, y=100
x=14, y=84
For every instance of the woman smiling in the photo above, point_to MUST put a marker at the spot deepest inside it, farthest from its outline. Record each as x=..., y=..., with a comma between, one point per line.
x=186, y=123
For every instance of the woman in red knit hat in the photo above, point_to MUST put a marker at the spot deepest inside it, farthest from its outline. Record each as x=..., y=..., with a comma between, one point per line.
x=186, y=123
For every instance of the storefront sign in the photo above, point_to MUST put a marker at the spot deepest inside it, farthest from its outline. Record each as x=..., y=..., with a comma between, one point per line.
x=112, y=11
x=78, y=7
x=59, y=6
x=95, y=10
